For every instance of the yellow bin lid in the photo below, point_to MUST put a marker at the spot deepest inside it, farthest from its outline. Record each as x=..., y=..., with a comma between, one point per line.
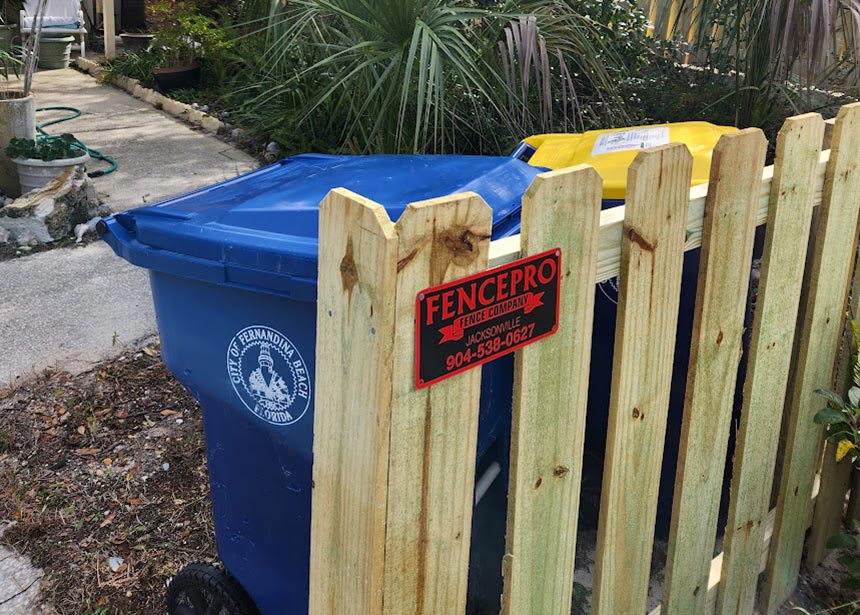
x=611, y=151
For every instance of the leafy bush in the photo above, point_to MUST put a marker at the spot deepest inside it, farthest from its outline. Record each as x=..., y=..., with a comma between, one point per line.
x=842, y=417
x=183, y=35
x=134, y=65
x=850, y=544
x=437, y=76
x=47, y=149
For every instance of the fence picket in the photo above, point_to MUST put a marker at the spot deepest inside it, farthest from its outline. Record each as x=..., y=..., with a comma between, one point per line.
x=727, y=245
x=771, y=341
x=658, y=190
x=433, y=430
x=853, y=511
x=560, y=210
x=355, y=335
x=819, y=339
x=835, y=476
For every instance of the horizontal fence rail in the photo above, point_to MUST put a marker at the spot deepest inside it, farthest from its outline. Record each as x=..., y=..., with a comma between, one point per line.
x=394, y=468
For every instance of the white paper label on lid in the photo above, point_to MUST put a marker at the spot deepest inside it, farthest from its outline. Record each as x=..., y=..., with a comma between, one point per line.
x=623, y=140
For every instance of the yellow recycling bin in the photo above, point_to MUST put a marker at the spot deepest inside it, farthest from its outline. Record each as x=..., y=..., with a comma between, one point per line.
x=611, y=151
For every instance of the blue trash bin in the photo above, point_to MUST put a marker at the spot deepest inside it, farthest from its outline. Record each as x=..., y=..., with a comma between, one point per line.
x=233, y=272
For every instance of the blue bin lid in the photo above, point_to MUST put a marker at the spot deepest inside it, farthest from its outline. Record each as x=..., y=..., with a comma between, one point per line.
x=258, y=227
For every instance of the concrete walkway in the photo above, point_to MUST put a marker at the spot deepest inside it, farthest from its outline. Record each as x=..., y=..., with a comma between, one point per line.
x=158, y=156
x=70, y=307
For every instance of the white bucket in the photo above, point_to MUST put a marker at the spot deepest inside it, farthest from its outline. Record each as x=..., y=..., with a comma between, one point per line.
x=34, y=173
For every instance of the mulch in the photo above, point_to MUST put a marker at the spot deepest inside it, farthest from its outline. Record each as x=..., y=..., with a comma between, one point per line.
x=103, y=483
x=109, y=467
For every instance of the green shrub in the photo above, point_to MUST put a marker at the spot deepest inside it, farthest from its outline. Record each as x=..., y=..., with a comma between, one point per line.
x=842, y=416
x=134, y=65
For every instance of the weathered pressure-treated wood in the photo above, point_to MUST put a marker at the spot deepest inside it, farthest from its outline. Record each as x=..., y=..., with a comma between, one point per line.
x=830, y=504
x=433, y=430
x=651, y=263
x=771, y=341
x=819, y=339
x=853, y=511
x=835, y=476
x=561, y=210
x=718, y=325
x=717, y=563
x=355, y=336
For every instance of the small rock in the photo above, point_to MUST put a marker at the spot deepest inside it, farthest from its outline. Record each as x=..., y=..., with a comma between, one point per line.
x=204, y=108
x=44, y=209
x=4, y=235
x=86, y=227
x=26, y=231
x=225, y=115
x=273, y=151
x=210, y=123
x=165, y=466
x=195, y=116
x=115, y=562
x=237, y=133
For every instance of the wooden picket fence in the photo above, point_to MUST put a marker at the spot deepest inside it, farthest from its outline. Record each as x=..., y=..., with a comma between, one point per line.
x=394, y=464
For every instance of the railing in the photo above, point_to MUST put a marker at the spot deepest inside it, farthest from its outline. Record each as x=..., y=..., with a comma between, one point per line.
x=394, y=464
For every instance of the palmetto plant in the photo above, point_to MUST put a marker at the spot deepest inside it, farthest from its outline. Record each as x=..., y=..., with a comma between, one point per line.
x=773, y=46
x=428, y=75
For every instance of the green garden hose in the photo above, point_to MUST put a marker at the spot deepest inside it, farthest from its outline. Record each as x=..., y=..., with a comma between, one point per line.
x=97, y=155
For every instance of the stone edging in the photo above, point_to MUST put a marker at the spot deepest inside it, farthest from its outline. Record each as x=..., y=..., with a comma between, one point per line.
x=175, y=108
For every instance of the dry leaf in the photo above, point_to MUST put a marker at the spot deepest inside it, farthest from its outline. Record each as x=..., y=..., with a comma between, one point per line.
x=108, y=520
x=843, y=448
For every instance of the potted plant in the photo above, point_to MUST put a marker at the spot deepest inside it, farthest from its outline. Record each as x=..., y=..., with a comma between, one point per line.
x=17, y=105
x=182, y=39
x=42, y=159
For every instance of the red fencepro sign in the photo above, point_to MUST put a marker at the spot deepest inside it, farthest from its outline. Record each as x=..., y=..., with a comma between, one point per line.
x=467, y=322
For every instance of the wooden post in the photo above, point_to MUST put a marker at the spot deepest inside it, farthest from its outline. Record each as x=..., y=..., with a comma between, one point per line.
x=352, y=411
x=434, y=430
x=652, y=251
x=393, y=465
x=560, y=210
x=109, y=29
x=854, y=501
x=718, y=325
x=835, y=476
x=789, y=216
x=819, y=340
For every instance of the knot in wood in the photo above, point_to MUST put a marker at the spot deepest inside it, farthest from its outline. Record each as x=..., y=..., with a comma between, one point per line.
x=348, y=270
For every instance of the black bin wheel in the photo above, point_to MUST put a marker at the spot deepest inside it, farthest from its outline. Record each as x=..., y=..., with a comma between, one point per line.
x=203, y=589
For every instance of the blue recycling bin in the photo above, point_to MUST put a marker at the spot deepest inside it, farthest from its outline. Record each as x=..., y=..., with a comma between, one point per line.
x=233, y=271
